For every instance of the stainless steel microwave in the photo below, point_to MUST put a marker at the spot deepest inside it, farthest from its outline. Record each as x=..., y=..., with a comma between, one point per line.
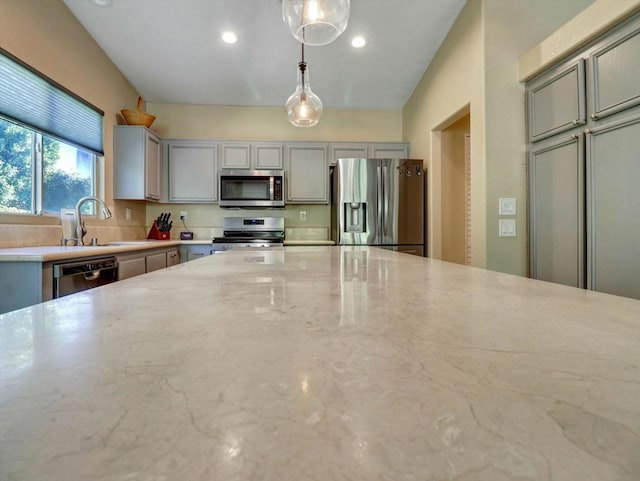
x=251, y=188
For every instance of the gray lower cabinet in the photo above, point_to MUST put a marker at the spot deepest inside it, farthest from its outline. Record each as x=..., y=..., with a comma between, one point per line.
x=131, y=264
x=190, y=252
x=131, y=267
x=173, y=258
x=24, y=284
x=155, y=262
x=556, y=210
x=613, y=216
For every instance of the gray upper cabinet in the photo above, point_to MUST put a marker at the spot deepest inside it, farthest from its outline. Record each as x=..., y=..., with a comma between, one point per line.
x=137, y=164
x=361, y=150
x=236, y=155
x=556, y=210
x=252, y=155
x=307, y=171
x=349, y=150
x=267, y=155
x=613, y=225
x=388, y=151
x=192, y=167
x=614, y=73
x=556, y=100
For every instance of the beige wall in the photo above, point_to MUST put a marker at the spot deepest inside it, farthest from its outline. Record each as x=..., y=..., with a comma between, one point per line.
x=477, y=66
x=263, y=123
x=270, y=123
x=452, y=86
x=45, y=35
x=452, y=141
x=584, y=27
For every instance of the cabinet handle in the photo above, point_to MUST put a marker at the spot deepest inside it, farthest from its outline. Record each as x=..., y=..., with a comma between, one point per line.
x=587, y=131
x=574, y=136
x=594, y=116
x=576, y=121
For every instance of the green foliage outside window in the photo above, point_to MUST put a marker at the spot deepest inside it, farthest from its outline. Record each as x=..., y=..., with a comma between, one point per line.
x=61, y=188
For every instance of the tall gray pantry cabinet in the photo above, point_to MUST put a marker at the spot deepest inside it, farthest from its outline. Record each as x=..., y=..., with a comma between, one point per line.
x=584, y=166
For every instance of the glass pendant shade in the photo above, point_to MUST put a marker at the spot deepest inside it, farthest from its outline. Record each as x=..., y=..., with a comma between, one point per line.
x=304, y=108
x=316, y=22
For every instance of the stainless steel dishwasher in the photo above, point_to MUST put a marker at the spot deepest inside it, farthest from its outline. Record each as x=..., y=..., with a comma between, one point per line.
x=70, y=277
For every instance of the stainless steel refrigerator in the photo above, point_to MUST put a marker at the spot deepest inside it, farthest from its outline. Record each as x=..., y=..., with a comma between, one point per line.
x=379, y=202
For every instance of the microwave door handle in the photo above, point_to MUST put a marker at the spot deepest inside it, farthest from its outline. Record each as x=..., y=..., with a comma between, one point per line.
x=271, y=187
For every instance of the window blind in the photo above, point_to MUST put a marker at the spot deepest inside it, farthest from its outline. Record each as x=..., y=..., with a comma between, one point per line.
x=34, y=100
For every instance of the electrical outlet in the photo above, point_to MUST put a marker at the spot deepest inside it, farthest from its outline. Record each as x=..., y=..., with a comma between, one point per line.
x=183, y=215
x=127, y=214
x=303, y=215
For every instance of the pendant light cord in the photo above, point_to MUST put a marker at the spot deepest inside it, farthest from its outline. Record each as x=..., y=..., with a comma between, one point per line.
x=303, y=66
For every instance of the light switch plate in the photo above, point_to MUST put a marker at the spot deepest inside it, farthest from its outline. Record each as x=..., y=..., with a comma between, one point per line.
x=507, y=228
x=507, y=206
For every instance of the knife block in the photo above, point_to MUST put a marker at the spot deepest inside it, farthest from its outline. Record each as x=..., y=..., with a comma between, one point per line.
x=155, y=233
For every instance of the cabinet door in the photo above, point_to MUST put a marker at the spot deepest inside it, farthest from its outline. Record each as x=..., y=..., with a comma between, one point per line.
x=156, y=261
x=388, y=151
x=556, y=211
x=173, y=258
x=131, y=267
x=198, y=251
x=193, y=172
x=347, y=151
x=152, y=168
x=136, y=163
x=613, y=199
x=615, y=72
x=267, y=155
x=307, y=173
x=556, y=101
x=236, y=156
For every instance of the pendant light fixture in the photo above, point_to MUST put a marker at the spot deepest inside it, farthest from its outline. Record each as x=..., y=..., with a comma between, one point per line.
x=304, y=108
x=316, y=22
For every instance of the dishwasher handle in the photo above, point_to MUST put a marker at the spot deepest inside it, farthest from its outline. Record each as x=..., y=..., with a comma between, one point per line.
x=93, y=275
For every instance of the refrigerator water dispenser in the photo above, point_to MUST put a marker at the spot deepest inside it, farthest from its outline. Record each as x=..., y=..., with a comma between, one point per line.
x=355, y=214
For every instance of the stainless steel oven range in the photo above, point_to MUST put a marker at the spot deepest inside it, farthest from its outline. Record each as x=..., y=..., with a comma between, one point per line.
x=250, y=232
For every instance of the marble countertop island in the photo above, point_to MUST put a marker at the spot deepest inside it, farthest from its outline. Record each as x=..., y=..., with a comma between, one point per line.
x=322, y=363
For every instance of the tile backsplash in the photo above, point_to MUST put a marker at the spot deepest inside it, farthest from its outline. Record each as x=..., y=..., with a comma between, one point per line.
x=21, y=235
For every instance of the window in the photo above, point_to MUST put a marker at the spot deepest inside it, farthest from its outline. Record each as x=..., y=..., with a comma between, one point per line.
x=49, y=140
x=42, y=174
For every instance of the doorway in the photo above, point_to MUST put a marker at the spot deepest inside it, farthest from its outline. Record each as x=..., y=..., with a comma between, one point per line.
x=455, y=144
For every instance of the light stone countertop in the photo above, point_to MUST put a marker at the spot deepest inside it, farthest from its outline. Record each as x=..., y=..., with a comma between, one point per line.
x=56, y=253
x=300, y=242
x=322, y=363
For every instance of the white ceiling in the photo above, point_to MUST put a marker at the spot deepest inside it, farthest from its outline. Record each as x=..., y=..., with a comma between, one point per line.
x=171, y=51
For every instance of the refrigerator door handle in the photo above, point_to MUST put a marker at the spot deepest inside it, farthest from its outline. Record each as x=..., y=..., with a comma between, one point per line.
x=385, y=207
x=380, y=203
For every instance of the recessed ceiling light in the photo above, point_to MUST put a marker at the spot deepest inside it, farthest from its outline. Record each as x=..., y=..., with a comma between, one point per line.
x=358, y=42
x=103, y=3
x=229, y=37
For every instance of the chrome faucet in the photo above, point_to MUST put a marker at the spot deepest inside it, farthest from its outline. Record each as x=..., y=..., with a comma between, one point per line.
x=81, y=230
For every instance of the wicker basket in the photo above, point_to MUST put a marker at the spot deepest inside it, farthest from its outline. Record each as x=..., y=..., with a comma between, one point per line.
x=138, y=117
